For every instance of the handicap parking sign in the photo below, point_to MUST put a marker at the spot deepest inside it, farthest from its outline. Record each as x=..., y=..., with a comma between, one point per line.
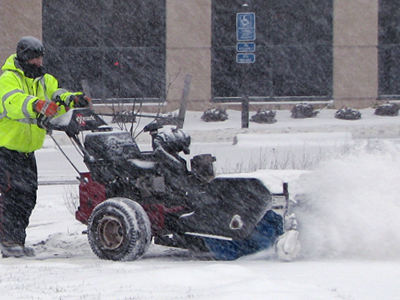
x=246, y=26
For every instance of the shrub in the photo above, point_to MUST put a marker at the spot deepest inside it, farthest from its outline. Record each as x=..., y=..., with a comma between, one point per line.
x=388, y=109
x=168, y=119
x=215, y=115
x=348, y=114
x=264, y=116
x=303, y=110
x=124, y=117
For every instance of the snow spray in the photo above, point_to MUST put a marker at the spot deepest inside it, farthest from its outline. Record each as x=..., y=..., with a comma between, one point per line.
x=349, y=207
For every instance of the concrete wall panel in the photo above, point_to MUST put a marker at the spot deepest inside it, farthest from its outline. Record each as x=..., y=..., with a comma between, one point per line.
x=355, y=71
x=18, y=18
x=189, y=48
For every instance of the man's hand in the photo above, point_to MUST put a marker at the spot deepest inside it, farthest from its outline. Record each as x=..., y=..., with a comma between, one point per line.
x=47, y=108
x=79, y=101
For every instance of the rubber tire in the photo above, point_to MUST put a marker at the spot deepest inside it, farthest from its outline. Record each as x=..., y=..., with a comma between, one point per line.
x=119, y=229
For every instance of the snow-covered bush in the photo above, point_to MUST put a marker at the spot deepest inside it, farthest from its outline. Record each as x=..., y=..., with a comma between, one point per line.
x=303, y=110
x=215, y=115
x=264, y=116
x=124, y=116
x=388, y=109
x=348, y=114
x=168, y=119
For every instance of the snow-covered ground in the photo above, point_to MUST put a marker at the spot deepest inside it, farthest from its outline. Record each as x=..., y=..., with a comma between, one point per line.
x=345, y=176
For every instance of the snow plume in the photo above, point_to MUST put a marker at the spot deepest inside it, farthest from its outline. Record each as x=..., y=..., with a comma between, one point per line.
x=350, y=207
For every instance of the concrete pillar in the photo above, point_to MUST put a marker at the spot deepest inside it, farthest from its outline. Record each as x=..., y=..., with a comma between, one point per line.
x=355, y=53
x=18, y=18
x=188, y=51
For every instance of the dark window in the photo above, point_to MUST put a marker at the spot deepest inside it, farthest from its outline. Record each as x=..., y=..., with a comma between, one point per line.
x=293, y=50
x=389, y=48
x=117, y=45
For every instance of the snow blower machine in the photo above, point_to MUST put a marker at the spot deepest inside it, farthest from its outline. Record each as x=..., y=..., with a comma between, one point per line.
x=131, y=198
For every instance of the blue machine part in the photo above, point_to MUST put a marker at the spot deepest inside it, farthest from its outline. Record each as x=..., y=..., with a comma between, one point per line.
x=262, y=237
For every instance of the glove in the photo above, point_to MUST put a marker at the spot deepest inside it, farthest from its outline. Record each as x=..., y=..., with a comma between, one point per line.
x=47, y=108
x=80, y=100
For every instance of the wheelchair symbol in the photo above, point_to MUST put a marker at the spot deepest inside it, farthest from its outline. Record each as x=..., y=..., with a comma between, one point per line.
x=244, y=21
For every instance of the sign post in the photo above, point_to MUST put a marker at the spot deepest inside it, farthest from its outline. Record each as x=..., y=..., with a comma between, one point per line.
x=245, y=47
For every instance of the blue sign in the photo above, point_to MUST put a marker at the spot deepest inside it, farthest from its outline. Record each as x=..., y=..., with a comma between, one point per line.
x=246, y=26
x=246, y=47
x=245, y=58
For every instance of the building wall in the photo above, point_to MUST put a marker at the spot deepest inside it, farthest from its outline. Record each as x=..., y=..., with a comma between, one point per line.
x=355, y=42
x=355, y=78
x=189, y=51
x=18, y=18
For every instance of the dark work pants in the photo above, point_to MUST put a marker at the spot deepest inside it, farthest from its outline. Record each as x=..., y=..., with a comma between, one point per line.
x=18, y=188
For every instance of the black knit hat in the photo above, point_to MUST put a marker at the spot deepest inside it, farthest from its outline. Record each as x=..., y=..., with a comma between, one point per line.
x=28, y=48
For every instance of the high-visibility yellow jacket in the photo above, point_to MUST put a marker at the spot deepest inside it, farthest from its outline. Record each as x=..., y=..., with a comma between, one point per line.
x=18, y=120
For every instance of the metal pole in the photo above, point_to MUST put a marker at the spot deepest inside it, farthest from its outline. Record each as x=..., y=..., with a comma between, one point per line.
x=244, y=83
x=245, y=111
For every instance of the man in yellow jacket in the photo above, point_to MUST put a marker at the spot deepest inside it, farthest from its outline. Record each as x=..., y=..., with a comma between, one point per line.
x=26, y=92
